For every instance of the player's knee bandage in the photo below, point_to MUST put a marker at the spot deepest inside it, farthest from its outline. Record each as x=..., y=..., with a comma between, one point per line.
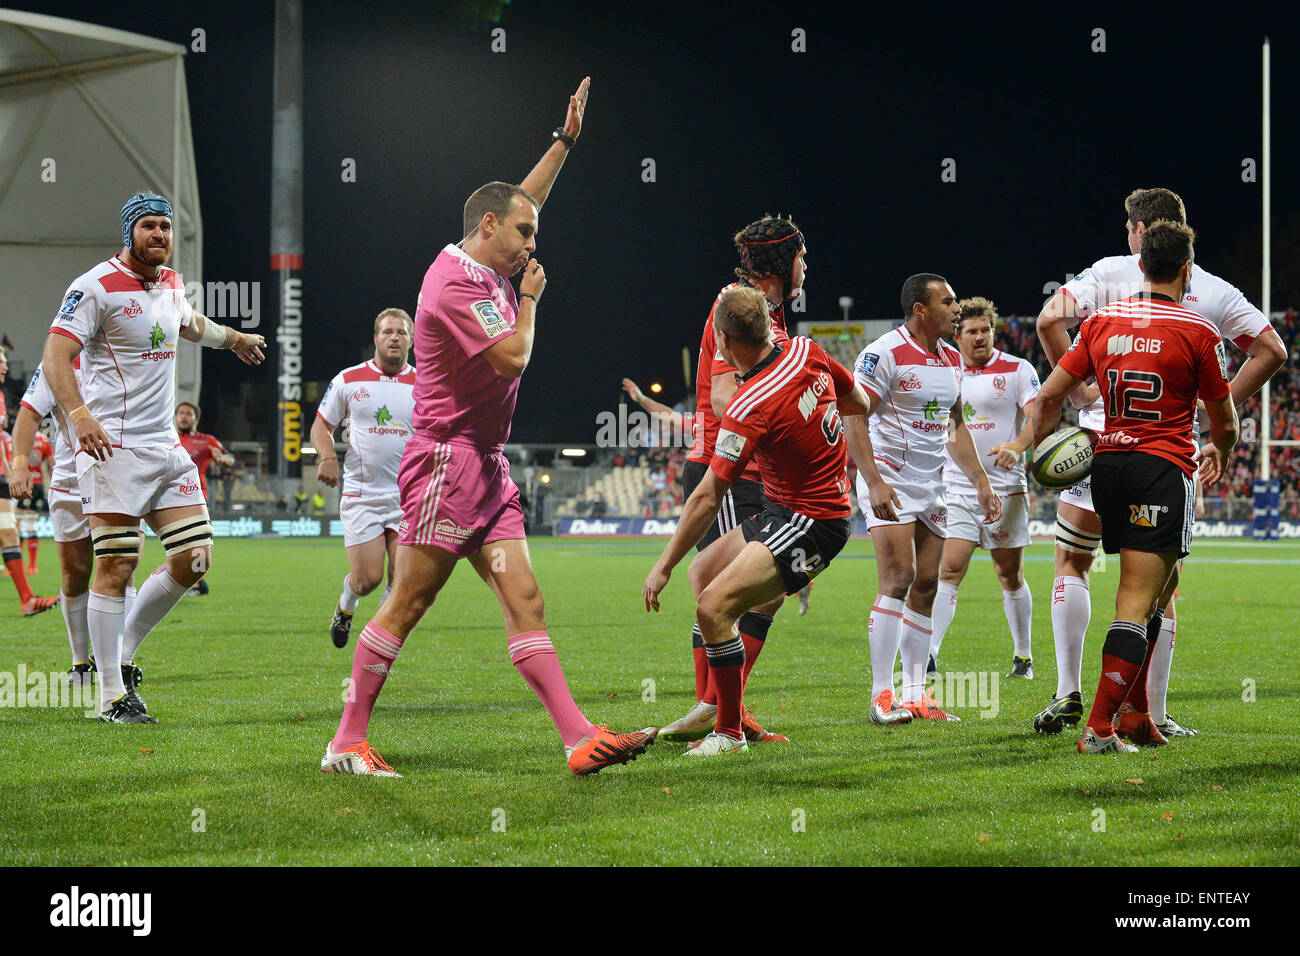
x=186, y=534
x=1073, y=539
x=116, y=542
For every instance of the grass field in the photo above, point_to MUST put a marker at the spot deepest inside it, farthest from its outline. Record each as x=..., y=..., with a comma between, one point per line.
x=247, y=688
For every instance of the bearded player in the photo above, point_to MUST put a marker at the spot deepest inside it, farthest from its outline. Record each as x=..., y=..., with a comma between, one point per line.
x=1151, y=358
x=997, y=391
x=913, y=383
x=772, y=260
x=375, y=402
x=786, y=414
x=203, y=449
x=1078, y=527
x=122, y=319
x=473, y=341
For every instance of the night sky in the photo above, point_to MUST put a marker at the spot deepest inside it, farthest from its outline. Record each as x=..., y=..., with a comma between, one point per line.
x=848, y=137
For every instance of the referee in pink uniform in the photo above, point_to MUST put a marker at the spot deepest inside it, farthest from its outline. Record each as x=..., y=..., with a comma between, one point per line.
x=473, y=340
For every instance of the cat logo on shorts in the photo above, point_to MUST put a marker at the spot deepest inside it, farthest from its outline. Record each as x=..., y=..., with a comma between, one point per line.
x=1146, y=516
x=493, y=322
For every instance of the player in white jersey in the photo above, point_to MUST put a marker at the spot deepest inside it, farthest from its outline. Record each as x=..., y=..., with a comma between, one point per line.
x=997, y=390
x=376, y=400
x=913, y=383
x=71, y=529
x=1078, y=530
x=123, y=319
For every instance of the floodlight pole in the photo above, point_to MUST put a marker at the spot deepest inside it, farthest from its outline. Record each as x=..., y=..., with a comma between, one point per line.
x=1266, y=173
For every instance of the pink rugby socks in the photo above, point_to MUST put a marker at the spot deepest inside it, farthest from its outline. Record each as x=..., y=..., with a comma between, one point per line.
x=534, y=657
x=375, y=653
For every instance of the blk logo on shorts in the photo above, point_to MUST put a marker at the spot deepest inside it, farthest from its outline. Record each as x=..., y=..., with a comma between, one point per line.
x=1146, y=516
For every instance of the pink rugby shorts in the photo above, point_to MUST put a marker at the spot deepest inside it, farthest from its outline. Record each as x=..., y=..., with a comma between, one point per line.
x=456, y=496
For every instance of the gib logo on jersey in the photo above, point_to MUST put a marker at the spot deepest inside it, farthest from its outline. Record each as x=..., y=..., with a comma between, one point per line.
x=808, y=400
x=490, y=317
x=1146, y=516
x=1124, y=344
x=134, y=310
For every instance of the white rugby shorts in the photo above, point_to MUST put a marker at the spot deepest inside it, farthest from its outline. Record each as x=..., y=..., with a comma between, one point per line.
x=137, y=481
x=921, y=498
x=365, y=519
x=966, y=521
x=1079, y=495
x=70, y=523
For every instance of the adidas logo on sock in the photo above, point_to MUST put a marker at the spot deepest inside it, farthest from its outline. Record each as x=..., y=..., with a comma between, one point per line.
x=1115, y=676
x=379, y=670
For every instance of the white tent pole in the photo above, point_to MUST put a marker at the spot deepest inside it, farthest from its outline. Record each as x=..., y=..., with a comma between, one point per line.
x=1266, y=299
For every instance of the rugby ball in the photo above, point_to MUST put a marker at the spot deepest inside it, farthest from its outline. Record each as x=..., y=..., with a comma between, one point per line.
x=1064, y=458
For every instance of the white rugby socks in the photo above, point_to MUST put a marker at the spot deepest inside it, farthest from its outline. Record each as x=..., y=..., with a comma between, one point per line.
x=1019, y=607
x=945, y=609
x=884, y=630
x=1071, y=612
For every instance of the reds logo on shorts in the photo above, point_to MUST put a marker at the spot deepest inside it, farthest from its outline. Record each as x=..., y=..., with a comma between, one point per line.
x=189, y=487
x=940, y=517
x=1001, y=535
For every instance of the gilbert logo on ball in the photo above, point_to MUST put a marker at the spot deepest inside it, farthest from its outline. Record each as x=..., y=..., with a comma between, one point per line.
x=1064, y=458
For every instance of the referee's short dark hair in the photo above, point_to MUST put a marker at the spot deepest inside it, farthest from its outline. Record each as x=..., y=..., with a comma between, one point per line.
x=492, y=198
x=917, y=289
x=1152, y=205
x=1166, y=247
x=742, y=314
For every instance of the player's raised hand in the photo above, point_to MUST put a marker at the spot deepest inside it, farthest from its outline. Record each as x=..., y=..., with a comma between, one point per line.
x=883, y=498
x=990, y=503
x=654, y=585
x=1007, y=454
x=249, y=348
x=92, y=438
x=534, y=280
x=633, y=392
x=577, y=107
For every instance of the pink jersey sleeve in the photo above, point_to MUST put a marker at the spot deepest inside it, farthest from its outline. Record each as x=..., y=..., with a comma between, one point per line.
x=472, y=316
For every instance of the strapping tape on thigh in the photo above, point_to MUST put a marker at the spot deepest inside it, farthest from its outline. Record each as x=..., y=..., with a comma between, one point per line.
x=110, y=542
x=188, y=533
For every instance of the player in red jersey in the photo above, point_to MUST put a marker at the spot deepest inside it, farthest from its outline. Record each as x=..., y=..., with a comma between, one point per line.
x=772, y=260
x=9, y=547
x=1151, y=358
x=786, y=415
x=1078, y=529
x=203, y=450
